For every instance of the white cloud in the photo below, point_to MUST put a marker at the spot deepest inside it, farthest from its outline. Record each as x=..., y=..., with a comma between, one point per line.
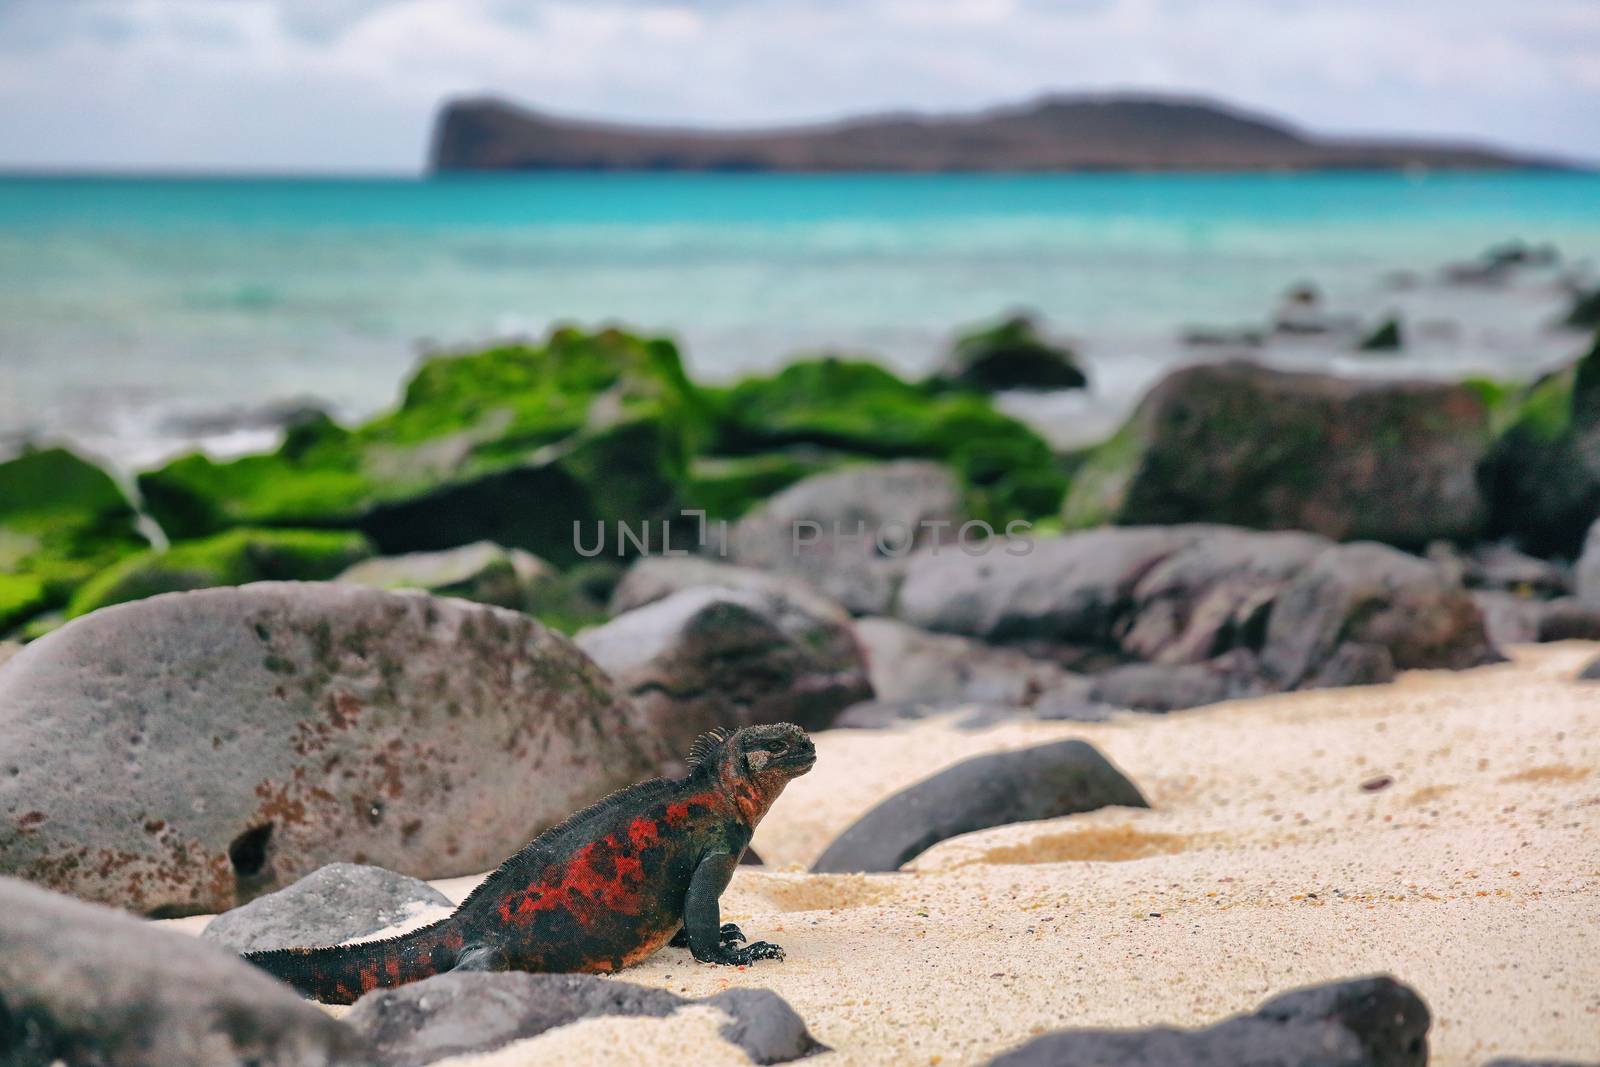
x=353, y=83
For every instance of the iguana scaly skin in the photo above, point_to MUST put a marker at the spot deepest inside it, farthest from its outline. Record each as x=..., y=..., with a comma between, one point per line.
x=602, y=890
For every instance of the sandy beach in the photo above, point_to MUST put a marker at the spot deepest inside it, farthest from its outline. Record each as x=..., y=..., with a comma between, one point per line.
x=1444, y=829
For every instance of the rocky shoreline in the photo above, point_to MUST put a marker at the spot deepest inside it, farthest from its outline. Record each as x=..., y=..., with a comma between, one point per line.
x=411, y=644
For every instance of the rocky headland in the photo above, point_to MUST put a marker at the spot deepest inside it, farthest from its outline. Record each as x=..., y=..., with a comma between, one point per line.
x=1054, y=133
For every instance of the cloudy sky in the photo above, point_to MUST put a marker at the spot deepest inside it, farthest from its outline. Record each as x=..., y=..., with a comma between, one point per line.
x=353, y=84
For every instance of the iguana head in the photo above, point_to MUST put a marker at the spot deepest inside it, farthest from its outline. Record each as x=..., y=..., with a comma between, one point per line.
x=756, y=762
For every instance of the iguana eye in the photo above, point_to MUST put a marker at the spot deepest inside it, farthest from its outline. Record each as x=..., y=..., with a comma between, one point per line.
x=774, y=746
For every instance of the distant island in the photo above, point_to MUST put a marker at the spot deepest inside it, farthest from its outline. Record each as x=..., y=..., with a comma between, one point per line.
x=1053, y=133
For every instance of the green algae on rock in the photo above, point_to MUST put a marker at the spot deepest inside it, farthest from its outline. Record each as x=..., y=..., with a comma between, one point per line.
x=61, y=520
x=1543, y=475
x=512, y=444
x=857, y=407
x=236, y=557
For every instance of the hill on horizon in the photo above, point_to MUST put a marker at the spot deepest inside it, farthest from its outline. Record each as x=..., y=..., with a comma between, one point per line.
x=1051, y=133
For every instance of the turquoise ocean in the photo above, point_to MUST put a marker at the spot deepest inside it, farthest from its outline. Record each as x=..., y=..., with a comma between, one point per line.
x=139, y=316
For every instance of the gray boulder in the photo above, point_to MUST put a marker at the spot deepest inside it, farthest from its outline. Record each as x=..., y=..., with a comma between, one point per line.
x=88, y=985
x=1501, y=566
x=792, y=605
x=1509, y=619
x=489, y=574
x=1587, y=576
x=708, y=657
x=1368, y=1022
x=1073, y=589
x=1214, y=593
x=465, y=1013
x=1175, y=686
x=1371, y=595
x=1569, y=619
x=334, y=904
x=189, y=752
x=481, y=571
x=907, y=664
x=1213, y=598
x=848, y=532
x=1044, y=782
x=1591, y=673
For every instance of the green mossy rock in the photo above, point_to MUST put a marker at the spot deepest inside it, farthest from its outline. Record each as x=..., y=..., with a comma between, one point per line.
x=61, y=520
x=1011, y=354
x=1543, y=476
x=859, y=408
x=725, y=487
x=512, y=444
x=236, y=557
x=1245, y=445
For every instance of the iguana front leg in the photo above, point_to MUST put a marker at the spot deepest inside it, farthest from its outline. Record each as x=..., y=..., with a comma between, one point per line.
x=702, y=917
x=731, y=935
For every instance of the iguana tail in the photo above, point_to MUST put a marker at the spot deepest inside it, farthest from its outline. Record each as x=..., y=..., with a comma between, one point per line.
x=340, y=974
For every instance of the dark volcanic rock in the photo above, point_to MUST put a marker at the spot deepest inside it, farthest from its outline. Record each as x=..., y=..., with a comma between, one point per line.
x=708, y=657
x=1586, y=579
x=1072, y=589
x=455, y=1014
x=1369, y=1022
x=1371, y=595
x=1584, y=314
x=850, y=531
x=89, y=985
x=1010, y=355
x=1569, y=619
x=907, y=664
x=1044, y=782
x=337, y=903
x=191, y=751
x=1243, y=444
x=1385, y=337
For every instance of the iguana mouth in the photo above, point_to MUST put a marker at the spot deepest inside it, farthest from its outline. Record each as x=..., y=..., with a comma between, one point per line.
x=801, y=761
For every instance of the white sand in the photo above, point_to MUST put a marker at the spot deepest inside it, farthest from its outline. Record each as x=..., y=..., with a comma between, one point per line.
x=1474, y=876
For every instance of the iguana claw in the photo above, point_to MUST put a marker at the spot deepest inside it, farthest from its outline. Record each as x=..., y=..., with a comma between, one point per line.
x=738, y=957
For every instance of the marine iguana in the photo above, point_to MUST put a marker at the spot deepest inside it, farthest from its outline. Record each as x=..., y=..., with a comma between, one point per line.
x=610, y=885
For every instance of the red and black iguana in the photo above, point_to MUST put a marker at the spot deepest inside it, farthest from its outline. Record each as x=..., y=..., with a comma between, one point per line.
x=604, y=889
